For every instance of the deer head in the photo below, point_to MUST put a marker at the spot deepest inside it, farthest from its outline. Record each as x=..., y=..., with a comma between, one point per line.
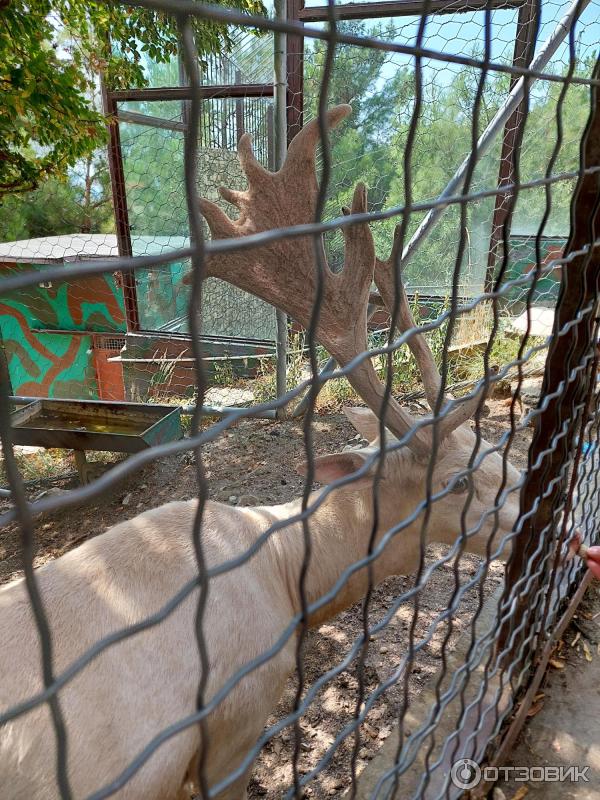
x=463, y=499
x=283, y=272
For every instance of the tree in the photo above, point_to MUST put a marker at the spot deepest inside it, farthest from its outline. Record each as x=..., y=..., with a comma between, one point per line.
x=371, y=147
x=77, y=202
x=46, y=121
x=81, y=204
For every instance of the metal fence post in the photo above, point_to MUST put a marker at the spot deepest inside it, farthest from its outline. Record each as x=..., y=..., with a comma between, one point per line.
x=4, y=369
x=523, y=53
x=556, y=425
x=239, y=110
x=295, y=71
x=280, y=153
x=121, y=211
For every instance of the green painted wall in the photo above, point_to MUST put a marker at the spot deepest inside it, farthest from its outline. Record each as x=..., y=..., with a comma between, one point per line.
x=38, y=329
x=523, y=260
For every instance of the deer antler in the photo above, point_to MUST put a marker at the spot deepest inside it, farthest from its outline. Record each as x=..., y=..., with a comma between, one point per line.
x=283, y=272
x=432, y=382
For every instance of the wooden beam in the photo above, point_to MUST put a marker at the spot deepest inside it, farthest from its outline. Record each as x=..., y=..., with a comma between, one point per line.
x=151, y=122
x=556, y=446
x=185, y=93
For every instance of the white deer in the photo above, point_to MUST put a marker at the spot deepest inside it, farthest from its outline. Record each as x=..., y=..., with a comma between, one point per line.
x=137, y=688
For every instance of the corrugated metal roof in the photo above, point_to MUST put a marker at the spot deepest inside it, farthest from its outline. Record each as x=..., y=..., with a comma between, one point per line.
x=52, y=249
x=81, y=246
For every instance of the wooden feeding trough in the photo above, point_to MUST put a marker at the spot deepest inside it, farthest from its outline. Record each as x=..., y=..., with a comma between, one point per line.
x=94, y=425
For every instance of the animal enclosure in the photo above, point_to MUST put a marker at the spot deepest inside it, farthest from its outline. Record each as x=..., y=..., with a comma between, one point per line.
x=405, y=203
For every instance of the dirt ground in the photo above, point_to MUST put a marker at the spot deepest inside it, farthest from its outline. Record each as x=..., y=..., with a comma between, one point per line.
x=253, y=463
x=563, y=729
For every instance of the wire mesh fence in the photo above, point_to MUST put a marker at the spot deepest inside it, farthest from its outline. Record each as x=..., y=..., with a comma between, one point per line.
x=362, y=628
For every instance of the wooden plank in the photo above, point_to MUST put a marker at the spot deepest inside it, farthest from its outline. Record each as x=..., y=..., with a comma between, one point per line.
x=185, y=93
x=557, y=426
x=151, y=122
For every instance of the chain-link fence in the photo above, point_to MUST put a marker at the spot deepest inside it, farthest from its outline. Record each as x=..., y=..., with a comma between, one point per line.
x=362, y=628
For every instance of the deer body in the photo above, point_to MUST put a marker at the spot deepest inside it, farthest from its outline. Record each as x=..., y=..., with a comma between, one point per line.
x=140, y=686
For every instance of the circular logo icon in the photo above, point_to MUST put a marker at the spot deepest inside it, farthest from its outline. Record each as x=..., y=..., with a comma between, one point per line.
x=465, y=773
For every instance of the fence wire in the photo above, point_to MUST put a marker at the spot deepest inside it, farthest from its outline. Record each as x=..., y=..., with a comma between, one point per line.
x=360, y=629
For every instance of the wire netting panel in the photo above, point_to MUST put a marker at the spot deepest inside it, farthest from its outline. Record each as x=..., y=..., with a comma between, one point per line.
x=247, y=58
x=380, y=85
x=154, y=173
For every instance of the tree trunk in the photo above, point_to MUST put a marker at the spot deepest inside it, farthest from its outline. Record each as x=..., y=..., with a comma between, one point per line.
x=86, y=222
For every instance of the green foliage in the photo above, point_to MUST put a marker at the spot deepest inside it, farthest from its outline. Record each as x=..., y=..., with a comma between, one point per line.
x=52, y=53
x=223, y=373
x=406, y=376
x=504, y=351
x=265, y=386
x=46, y=123
x=372, y=147
x=154, y=168
x=335, y=394
x=39, y=466
x=81, y=204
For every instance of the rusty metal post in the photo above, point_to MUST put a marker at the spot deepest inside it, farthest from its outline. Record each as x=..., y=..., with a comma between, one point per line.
x=549, y=455
x=4, y=369
x=281, y=143
x=522, y=56
x=239, y=110
x=123, y=228
x=185, y=102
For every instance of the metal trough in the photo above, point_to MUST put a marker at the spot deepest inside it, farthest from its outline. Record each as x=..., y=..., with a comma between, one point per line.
x=94, y=425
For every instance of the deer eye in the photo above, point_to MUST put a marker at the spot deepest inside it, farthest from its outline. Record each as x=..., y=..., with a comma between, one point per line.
x=458, y=485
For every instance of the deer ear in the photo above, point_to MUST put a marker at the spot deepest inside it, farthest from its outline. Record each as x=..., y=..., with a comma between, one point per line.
x=364, y=421
x=339, y=465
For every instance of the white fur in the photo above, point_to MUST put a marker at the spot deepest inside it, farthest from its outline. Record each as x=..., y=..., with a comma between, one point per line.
x=135, y=689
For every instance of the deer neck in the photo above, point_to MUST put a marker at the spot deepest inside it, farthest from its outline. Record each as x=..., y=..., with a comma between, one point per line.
x=340, y=531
